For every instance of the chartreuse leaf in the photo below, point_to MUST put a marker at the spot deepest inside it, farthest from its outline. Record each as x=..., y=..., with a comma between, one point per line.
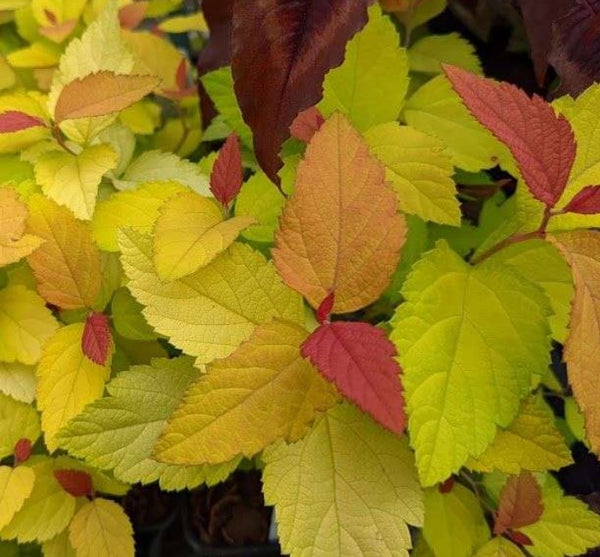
x=418, y=169
x=119, y=432
x=26, y=323
x=190, y=232
x=16, y=485
x=59, y=546
x=530, y=442
x=46, y=512
x=101, y=529
x=17, y=421
x=127, y=317
x=265, y=372
x=370, y=85
x=137, y=209
x=454, y=522
x=67, y=266
x=413, y=13
x=73, y=180
x=499, y=547
x=18, y=381
x=429, y=53
x=183, y=24
x=367, y=488
x=456, y=400
x=237, y=291
x=67, y=380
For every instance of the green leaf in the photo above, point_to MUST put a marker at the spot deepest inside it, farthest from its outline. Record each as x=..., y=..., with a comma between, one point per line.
x=372, y=82
x=463, y=318
x=499, y=547
x=429, y=53
x=348, y=488
x=118, y=432
x=127, y=317
x=17, y=421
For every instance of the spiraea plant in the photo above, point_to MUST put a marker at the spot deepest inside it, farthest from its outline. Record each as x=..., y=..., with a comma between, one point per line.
x=308, y=299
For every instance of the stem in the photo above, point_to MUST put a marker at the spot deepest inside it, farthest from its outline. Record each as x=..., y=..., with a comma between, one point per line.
x=475, y=488
x=60, y=140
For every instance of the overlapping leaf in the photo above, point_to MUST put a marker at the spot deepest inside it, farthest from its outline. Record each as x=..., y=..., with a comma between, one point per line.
x=16, y=485
x=520, y=503
x=18, y=421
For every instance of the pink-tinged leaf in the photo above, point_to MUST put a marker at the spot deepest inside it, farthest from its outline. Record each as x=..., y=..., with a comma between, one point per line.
x=446, y=487
x=520, y=503
x=324, y=309
x=132, y=15
x=226, y=178
x=306, y=124
x=59, y=32
x=519, y=538
x=360, y=360
x=541, y=141
x=282, y=50
x=96, y=341
x=586, y=202
x=14, y=121
x=75, y=482
x=22, y=450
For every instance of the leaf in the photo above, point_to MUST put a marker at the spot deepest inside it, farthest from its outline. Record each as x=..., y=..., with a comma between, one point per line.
x=127, y=317
x=520, y=503
x=586, y=202
x=22, y=450
x=367, y=488
x=16, y=485
x=306, y=124
x=530, y=442
x=238, y=290
x=67, y=381
x=413, y=13
x=67, y=265
x=59, y=546
x=46, y=512
x=499, y=547
x=72, y=180
x=96, y=342
x=226, y=178
x=101, y=93
x=75, y=482
x=541, y=142
x=429, y=53
x=14, y=245
x=265, y=372
x=14, y=121
x=581, y=250
x=485, y=308
x=119, y=432
x=419, y=171
x=18, y=381
x=370, y=85
x=184, y=24
x=339, y=231
x=189, y=233
x=359, y=359
x=26, y=103
x=454, y=522
x=217, y=50
x=26, y=324
x=101, y=529
x=132, y=15
x=17, y=421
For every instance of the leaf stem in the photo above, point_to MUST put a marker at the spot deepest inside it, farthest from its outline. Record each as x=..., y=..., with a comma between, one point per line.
x=60, y=140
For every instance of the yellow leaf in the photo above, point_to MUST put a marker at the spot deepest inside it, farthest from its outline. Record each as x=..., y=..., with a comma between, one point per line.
x=184, y=24
x=238, y=290
x=61, y=10
x=73, y=180
x=190, y=232
x=265, y=384
x=25, y=323
x=17, y=421
x=142, y=118
x=67, y=380
x=101, y=529
x=7, y=76
x=18, y=381
x=67, y=265
x=30, y=104
x=101, y=93
x=13, y=213
x=36, y=55
x=16, y=485
x=499, y=547
x=339, y=232
x=136, y=209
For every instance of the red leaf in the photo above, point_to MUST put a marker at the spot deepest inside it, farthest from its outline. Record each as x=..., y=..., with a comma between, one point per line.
x=226, y=178
x=519, y=538
x=282, y=50
x=446, y=487
x=75, y=482
x=14, y=121
x=96, y=340
x=22, y=450
x=586, y=202
x=359, y=359
x=520, y=503
x=541, y=142
x=306, y=124
x=132, y=15
x=324, y=309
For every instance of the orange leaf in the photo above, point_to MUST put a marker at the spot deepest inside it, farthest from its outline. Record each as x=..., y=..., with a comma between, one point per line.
x=520, y=503
x=340, y=231
x=101, y=93
x=132, y=15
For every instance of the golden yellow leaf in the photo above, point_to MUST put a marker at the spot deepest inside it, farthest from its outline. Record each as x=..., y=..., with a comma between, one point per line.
x=67, y=266
x=15, y=487
x=190, y=232
x=184, y=24
x=339, y=232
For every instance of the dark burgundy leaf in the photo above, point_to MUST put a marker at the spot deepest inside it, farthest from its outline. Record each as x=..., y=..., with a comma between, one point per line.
x=22, y=450
x=586, y=202
x=446, y=487
x=226, y=178
x=96, y=340
x=75, y=482
x=14, y=121
x=306, y=124
x=282, y=50
x=324, y=309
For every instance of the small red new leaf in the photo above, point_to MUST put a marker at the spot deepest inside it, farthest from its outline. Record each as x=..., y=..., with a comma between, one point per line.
x=226, y=178
x=520, y=503
x=519, y=538
x=22, y=450
x=132, y=15
x=324, y=309
x=96, y=339
x=586, y=202
x=15, y=121
x=306, y=124
x=447, y=485
x=359, y=359
x=75, y=482
x=541, y=142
